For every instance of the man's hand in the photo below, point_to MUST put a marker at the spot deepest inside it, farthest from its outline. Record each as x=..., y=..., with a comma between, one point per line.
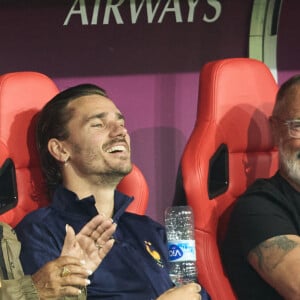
x=80, y=257
x=189, y=291
x=50, y=283
x=92, y=243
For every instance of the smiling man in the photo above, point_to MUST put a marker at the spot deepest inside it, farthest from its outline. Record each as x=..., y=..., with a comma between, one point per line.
x=85, y=152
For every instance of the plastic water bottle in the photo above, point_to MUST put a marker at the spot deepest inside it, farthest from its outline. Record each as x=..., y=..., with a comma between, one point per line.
x=179, y=222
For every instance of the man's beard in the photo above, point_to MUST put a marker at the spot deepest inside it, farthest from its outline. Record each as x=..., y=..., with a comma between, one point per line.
x=290, y=163
x=114, y=175
x=111, y=172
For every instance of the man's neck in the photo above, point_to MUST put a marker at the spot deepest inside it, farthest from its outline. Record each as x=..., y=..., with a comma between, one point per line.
x=295, y=185
x=105, y=201
x=103, y=194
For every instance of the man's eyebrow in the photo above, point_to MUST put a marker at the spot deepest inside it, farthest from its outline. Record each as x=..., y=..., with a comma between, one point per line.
x=102, y=115
x=120, y=116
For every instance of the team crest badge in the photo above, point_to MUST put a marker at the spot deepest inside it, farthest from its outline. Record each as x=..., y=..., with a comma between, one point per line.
x=155, y=255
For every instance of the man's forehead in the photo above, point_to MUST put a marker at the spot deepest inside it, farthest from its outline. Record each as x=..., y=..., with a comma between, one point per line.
x=86, y=108
x=290, y=111
x=92, y=102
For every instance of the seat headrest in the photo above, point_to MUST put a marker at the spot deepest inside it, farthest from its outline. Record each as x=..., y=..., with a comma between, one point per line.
x=241, y=93
x=22, y=95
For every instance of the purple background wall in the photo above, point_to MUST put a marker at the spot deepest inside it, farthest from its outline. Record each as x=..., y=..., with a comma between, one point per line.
x=150, y=69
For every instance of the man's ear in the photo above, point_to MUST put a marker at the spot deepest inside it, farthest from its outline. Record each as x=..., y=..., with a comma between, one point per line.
x=274, y=130
x=58, y=150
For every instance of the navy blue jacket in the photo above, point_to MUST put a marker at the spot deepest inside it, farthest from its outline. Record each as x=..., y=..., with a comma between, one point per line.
x=132, y=270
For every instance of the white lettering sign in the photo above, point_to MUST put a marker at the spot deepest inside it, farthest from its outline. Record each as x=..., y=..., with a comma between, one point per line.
x=156, y=11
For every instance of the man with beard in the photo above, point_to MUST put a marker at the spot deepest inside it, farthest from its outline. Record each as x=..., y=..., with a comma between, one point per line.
x=261, y=252
x=85, y=152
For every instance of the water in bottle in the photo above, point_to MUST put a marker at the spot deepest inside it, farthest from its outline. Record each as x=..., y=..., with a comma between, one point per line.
x=179, y=222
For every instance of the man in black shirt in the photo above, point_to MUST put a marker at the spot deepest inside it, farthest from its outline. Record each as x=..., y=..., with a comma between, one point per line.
x=261, y=252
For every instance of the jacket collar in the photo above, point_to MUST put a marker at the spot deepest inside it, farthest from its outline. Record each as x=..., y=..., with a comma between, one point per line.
x=67, y=201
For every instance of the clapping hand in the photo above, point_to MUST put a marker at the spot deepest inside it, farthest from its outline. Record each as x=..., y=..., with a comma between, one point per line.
x=80, y=257
x=92, y=243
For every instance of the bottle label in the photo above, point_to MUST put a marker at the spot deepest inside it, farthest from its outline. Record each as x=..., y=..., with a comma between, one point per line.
x=182, y=250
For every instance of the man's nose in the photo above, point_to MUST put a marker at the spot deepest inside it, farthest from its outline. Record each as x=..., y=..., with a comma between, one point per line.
x=117, y=129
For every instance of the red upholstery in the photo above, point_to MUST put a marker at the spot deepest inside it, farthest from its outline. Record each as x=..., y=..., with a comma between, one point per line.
x=134, y=184
x=22, y=95
x=236, y=98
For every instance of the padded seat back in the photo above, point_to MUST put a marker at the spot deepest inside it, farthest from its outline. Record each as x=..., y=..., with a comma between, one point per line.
x=230, y=146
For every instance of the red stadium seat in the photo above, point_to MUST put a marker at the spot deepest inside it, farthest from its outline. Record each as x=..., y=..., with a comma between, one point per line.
x=230, y=146
x=134, y=184
x=22, y=95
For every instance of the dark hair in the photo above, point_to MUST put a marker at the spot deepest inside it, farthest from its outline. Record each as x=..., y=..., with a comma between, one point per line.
x=283, y=93
x=52, y=123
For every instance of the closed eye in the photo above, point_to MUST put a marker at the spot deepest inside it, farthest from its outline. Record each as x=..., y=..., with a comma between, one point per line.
x=101, y=125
